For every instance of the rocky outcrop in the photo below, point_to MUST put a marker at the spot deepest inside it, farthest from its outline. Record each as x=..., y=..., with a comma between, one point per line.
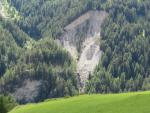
x=89, y=58
x=29, y=91
x=7, y=11
x=1, y=10
x=82, y=39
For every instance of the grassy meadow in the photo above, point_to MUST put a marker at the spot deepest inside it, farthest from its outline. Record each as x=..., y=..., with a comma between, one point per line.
x=110, y=103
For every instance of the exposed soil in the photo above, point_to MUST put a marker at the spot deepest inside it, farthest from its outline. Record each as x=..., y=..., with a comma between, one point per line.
x=2, y=14
x=82, y=40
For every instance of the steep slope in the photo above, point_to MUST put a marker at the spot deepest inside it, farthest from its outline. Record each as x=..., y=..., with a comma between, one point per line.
x=125, y=64
x=43, y=18
x=2, y=14
x=42, y=71
x=7, y=11
x=81, y=40
x=112, y=103
x=88, y=59
x=41, y=63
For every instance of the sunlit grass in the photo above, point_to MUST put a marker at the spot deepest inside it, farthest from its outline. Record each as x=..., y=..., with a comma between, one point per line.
x=111, y=103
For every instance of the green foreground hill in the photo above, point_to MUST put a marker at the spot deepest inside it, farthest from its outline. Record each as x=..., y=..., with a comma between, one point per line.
x=111, y=103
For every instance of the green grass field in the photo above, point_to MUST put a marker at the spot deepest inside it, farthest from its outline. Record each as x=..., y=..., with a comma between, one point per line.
x=111, y=103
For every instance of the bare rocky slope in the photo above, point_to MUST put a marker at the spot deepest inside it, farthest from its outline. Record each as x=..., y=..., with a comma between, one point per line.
x=82, y=39
x=1, y=10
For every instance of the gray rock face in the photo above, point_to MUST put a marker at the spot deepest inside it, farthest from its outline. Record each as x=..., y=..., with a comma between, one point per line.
x=28, y=92
x=82, y=39
x=2, y=14
x=1, y=10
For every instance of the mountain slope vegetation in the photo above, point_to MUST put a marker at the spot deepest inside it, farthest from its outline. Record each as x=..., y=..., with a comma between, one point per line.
x=125, y=41
x=48, y=17
x=46, y=64
x=29, y=55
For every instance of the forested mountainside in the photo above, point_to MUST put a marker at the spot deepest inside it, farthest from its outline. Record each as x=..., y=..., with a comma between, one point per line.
x=29, y=55
x=125, y=64
x=42, y=65
x=48, y=17
x=33, y=67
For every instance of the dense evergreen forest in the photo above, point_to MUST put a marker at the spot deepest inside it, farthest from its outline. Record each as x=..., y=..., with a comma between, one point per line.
x=48, y=17
x=23, y=59
x=28, y=51
x=125, y=64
